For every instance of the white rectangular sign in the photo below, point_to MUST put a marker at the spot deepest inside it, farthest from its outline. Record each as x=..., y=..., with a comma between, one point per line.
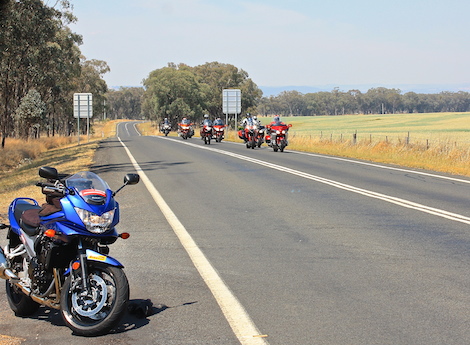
x=231, y=101
x=82, y=105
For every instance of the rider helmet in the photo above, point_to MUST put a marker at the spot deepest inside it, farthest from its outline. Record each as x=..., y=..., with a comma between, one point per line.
x=206, y=116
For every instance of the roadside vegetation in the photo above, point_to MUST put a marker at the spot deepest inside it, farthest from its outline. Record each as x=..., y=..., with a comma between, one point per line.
x=62, y=153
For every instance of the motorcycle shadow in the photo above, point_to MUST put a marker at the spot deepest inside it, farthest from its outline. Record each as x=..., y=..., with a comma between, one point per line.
x=136, y=316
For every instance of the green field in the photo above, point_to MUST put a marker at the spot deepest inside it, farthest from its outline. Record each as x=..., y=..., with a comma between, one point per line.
x=453, y=127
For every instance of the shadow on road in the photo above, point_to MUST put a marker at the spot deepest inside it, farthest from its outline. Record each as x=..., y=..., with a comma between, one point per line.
x=138, y=315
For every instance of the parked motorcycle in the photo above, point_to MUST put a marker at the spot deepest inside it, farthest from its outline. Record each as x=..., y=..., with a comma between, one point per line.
x=57, y=253
x=277, y=136
x=165, y=129
x=206, y=133
x=218, y=132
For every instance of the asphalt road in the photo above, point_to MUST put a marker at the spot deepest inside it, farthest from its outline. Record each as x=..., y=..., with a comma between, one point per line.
x=313, y=249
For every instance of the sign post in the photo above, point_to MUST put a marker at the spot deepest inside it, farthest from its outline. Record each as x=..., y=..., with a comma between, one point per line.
x=83, y=108
x=231, y=103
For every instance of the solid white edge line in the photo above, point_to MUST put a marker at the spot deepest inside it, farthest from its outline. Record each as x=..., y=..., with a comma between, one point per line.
x=240, y=322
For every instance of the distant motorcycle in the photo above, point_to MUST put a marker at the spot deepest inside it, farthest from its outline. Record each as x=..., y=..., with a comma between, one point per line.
x=250, y=134
x=165, y=129
x=185, y=130
x=206, y=133
x=57, y=253
x=277, y=136
x=218, y=132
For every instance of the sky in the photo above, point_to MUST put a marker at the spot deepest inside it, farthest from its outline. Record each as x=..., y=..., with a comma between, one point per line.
x=283, y=42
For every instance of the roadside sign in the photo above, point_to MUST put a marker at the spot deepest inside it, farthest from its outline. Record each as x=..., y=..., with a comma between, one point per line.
x=82, y=105
x=231, y=101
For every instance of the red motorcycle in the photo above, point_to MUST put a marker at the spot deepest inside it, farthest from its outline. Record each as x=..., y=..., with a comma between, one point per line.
x=218, y=132
x=252, y=135
x=206, y=133
x=185, y=130
x=277, y=136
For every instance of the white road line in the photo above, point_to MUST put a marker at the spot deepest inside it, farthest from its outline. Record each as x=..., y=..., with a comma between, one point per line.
x=398, y=201
x=416, y=172
x=384, y=167
x=240, y=322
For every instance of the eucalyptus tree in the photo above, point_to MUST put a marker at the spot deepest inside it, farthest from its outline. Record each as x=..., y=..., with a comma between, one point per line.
x=125, y=103
x=38, y=51
x=174, y=92
x=218, y=76
x=29, y=115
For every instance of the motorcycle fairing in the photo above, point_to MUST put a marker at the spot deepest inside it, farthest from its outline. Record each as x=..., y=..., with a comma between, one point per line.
x=95, y=256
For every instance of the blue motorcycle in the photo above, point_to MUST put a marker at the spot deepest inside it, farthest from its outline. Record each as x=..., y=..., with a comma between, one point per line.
x=57, y=252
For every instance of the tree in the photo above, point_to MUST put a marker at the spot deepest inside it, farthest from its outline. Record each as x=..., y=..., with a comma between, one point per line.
x=173, y=93
x=125, y=103
x=29, y=114
x=180, y=90
x=219, y=76
x=292, y=102
x=37, y=52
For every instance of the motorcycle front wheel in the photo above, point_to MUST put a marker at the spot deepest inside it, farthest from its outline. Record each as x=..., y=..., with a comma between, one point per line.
x=97, y=311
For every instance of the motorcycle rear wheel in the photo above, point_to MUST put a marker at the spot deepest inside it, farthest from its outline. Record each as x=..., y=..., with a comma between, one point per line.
x=97, y=312
x=21, y=304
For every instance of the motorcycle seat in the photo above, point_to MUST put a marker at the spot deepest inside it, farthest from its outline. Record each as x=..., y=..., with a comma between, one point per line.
x=27, y=216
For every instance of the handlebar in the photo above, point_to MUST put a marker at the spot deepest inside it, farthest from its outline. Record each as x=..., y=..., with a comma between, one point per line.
x=48, y=187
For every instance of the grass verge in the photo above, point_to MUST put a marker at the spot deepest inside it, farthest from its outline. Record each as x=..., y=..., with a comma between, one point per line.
x=66, y=157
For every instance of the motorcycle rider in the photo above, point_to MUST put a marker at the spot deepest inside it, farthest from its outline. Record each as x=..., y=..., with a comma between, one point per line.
x=186, y=121
x=218, y=122
x=275, y=122
x=205, y=122
x=165, y=122
x=247, y=119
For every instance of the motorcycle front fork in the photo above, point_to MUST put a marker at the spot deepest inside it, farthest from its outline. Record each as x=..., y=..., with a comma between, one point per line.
x=83, y=268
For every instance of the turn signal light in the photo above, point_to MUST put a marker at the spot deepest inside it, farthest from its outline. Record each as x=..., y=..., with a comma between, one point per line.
x=125, y=235
x=50, y=233
x=76, y=265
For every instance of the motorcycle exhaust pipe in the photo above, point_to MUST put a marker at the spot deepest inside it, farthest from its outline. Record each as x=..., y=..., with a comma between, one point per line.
x=5, y=271
x=55, y=304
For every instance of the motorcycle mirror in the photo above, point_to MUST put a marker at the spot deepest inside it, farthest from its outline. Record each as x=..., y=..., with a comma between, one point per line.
x=49, y=173
x=131, y=179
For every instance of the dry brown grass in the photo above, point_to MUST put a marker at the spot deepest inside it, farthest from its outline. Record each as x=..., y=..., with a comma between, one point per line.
x=62, y=153
x=444, y=157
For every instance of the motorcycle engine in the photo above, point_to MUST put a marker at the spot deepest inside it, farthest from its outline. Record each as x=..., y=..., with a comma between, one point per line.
x=39, y=270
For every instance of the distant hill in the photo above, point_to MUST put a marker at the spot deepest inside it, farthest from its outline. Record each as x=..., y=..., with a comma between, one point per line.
x=418, y=88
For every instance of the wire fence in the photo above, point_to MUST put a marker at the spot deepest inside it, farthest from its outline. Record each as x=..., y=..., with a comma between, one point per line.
x=407, y=138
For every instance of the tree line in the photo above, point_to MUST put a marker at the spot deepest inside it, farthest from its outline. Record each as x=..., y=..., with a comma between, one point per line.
x=41, y=66
x=379, y=100
x=179, y=90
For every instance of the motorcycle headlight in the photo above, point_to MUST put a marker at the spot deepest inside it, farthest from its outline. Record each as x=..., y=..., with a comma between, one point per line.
x=95, y=223
x=278, y=132
x=283, y=132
